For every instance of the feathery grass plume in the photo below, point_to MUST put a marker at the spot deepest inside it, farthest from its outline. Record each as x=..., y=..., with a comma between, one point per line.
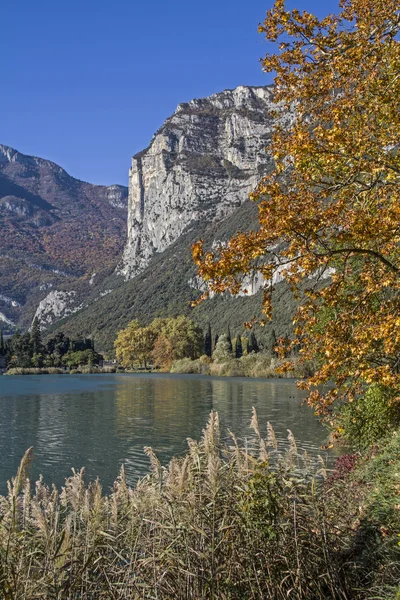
x=213, y=473
x=18, y=482
x=73, y=492
x=322, y=470
x=194, y=452
x=254, y=422
x=263, y=453
x=271, y=437
x=235, y=451
x=292, y=443
x=155, y=465
x=292, y=453
x=226, y=525
x=211, y=433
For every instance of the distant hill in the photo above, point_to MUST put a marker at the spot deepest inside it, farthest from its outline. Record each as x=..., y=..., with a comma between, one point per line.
x=55, y=230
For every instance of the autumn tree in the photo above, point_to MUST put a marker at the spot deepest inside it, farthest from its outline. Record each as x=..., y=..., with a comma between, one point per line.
x=183, y=338
x=329, y=212
x=135, y=344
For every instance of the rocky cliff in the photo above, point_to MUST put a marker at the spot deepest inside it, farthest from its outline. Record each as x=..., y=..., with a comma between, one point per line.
x=55, y=230
x=191, y=182
x=201, y=164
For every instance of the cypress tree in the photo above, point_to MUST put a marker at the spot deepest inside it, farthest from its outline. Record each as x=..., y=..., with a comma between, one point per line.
x=253, y=344
x=274, y=343
x=216, y=340
x=208, y=341
x=36, y=338
x=239, y=347
x=229, y=340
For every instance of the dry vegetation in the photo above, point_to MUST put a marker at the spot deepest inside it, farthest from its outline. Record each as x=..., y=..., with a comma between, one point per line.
x=224, y=521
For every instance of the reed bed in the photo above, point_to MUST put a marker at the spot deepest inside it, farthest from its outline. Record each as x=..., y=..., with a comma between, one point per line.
x=225, y=521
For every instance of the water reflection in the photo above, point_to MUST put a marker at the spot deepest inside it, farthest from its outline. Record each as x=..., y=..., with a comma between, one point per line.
x=103, y=421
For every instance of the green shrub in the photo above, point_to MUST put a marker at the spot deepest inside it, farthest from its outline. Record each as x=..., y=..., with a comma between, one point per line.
x=369, y=418
x=186, y=365
x=34, y=371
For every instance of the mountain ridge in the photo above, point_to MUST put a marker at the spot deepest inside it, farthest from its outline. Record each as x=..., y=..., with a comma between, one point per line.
x=53, y=227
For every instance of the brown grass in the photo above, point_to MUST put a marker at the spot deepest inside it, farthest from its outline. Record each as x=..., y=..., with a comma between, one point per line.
x=222, y=522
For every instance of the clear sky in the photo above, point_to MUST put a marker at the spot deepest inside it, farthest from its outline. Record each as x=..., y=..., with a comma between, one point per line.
x=86, y=83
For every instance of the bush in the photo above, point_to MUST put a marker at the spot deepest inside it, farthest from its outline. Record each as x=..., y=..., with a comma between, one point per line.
x=35, y=371
x=186, y=365
x=370, y=418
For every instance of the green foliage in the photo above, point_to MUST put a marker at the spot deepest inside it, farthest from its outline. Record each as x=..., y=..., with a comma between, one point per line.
x=223, y=349
x=229, y=340
x=27, y=351
x=80, y=358
x=238, y=347
x=369, y=418
x=36, y=339
x=208, y=341
x=253, y=344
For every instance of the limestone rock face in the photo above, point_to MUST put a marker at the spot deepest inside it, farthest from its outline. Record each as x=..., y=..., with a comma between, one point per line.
x=201, y=164
x=56, y=305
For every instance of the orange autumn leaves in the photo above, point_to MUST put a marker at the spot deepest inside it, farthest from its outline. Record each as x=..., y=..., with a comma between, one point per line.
x=332, y=204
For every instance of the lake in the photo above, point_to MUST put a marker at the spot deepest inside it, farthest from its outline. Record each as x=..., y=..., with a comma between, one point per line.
x=103, y=421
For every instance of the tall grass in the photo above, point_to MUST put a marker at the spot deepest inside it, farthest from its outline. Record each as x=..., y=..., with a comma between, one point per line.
x=249, y=365
x=225, y=521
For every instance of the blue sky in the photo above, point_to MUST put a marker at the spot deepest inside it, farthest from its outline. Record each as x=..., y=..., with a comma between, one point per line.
x=86, y=83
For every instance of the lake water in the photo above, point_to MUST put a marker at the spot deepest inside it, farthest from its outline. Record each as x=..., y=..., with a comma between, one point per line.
x=103, y=421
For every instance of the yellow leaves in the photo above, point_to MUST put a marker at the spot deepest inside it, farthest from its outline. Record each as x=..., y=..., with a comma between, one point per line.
x=331, y=207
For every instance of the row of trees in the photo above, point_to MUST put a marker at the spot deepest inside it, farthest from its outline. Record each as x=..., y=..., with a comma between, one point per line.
x=166, y=340
x=237, y=346
x=28, y=350
x=159, y=343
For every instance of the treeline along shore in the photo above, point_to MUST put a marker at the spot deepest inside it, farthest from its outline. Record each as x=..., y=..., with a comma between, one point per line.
x=176, y=345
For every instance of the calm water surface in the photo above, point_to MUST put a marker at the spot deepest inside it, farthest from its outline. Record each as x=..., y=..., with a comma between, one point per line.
x=103, y=421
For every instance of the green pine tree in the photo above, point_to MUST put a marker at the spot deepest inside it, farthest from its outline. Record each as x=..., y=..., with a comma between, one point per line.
x=36, y=338
x=216, y=341
x=229, y=340
x=208, y=341
x=253, y=344
x=239, y=347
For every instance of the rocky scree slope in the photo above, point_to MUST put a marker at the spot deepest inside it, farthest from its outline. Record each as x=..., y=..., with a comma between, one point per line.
x=55, y=231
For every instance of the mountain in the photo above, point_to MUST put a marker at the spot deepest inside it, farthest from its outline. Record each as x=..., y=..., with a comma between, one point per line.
x=167, y=287
x=55, y=231
x=191, y=182
x=200, y=165
x=86, y=259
